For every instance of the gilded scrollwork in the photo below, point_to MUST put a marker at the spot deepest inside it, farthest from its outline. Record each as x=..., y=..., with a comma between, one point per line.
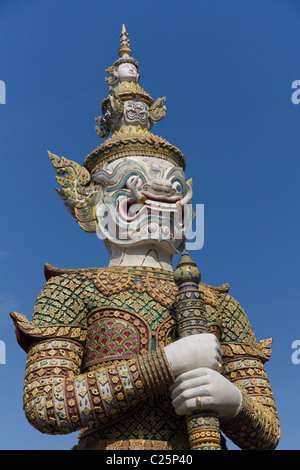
x=103, y=129
x=113, y=79
x=78, y=188
x=157, y=110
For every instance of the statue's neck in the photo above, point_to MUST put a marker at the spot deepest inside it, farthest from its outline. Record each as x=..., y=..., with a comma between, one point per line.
x=139, y=255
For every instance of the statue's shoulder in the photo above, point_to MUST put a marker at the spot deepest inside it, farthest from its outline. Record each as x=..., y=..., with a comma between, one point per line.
x=60, y=310
x=236, y=326
x=65, y=298
x=237, y=335
x=52, y=271
x=213, y=295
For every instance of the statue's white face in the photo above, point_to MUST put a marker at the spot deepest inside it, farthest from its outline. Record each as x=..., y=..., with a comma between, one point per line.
x=127, y=72
x=139, y=203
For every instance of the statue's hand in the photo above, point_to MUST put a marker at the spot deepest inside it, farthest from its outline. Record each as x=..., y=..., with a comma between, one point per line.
x=209, y=389
x=192, y=352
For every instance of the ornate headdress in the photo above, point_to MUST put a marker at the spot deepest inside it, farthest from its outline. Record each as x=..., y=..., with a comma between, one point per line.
x=125, y=57
x=129, y=113
x=127, y=138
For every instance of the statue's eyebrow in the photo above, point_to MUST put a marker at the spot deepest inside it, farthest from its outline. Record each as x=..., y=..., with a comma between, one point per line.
x=117, y=174
x=176, y=171
x=121, y=165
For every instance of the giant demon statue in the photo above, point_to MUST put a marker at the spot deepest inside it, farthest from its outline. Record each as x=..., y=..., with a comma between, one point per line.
x=106, y=354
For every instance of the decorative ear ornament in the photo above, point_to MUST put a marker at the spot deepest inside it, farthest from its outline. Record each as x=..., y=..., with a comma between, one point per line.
x=157, y=110
x=113, y=79
x=78, y=191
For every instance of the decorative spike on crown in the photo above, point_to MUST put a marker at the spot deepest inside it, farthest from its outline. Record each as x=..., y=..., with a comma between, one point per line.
x=125, y=49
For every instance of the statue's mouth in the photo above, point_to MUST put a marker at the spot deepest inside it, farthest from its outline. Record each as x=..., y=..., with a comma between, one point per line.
x=156, y=206
x=160, y=218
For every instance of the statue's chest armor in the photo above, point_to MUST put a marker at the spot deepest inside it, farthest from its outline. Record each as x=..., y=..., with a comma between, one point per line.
x=126, y=324
x=133, y=312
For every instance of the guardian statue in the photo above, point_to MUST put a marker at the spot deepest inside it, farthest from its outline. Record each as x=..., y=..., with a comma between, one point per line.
x=136, y=355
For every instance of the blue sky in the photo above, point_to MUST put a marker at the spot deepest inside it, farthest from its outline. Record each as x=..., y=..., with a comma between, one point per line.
x=226, y=69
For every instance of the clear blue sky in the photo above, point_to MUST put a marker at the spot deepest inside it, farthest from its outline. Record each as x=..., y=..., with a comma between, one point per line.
x=226, y=69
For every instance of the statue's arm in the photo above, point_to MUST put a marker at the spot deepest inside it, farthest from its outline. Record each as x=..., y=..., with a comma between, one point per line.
x=255, y=425
x=59, y=395
x=58, y=399
x=241, y=395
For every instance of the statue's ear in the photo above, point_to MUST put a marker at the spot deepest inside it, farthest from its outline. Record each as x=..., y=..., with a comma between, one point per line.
x=78, y=191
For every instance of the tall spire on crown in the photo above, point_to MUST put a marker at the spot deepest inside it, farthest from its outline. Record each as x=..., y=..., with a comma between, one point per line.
x=125, y=49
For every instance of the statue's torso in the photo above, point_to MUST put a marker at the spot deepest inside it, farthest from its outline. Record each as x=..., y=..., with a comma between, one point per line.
x=121, y=313
x=133, y=316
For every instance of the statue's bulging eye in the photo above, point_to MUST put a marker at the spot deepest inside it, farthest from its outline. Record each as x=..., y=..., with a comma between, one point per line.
x=177, y=186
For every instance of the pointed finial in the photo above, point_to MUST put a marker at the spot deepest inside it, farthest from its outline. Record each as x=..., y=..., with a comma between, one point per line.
x=186, y=260
x=186, y=270
x=124, y=50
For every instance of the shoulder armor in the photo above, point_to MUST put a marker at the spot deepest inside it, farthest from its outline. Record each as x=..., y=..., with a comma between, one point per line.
x=223, y=289
x=212, y=295
x=261, y=350
x=28, y=333
x=51, y=271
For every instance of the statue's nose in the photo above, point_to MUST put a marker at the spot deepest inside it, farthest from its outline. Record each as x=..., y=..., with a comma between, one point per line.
x=159, y=187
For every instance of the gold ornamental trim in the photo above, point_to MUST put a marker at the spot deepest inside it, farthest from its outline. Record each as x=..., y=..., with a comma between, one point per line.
x=261, y=350
x=132, y=142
